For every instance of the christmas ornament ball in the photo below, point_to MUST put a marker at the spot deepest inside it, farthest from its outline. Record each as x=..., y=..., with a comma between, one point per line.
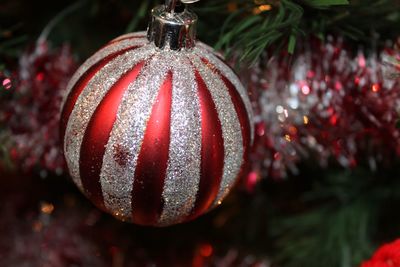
x=156, y=130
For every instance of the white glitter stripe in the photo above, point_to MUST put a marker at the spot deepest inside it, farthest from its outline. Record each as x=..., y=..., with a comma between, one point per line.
x=232, y=77
x=127, y=136
x=142, y=34
x=183, y=172
x=209, y=49
x=87, y=103
x=231, y=130
x=100, y=55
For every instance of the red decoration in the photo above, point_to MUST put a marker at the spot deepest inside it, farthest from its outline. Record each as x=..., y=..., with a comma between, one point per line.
x=386, y=256
x=325, y=104
x=156, y=137
x=30, y=104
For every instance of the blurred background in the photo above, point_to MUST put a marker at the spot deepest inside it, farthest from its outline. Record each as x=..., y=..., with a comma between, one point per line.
x=322, y=185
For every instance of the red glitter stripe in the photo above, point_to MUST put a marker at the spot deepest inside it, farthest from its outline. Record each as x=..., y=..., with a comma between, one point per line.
x=98, y=133
x=80, y=85
x=240, y=109
x=152, y=162
x=212, y=151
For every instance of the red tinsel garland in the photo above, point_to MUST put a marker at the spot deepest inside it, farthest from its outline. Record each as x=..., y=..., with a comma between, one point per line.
x=30, y=106
x=329, y=105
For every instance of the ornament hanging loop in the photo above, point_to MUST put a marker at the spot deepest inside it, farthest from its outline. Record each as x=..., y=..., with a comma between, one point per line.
x=171, y=4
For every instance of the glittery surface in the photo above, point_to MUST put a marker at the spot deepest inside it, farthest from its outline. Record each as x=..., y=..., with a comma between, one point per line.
x=184, y=157
x=127, y=134
x=202, y=49
x=231, y=131
x=101, y=54
x=182, y=179
x=231, y=76
x=87, y=103
x=142, y=36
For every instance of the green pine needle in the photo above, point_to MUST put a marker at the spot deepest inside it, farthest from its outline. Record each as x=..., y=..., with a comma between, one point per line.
x=250, y=33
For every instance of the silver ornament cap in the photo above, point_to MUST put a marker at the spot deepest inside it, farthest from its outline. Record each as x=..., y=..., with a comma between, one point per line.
x=173, y=25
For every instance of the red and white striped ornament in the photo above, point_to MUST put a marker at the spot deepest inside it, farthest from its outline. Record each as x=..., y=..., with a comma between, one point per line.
x=152, y=135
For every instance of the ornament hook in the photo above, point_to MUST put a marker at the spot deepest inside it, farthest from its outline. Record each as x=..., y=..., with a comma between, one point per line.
x=171, y=4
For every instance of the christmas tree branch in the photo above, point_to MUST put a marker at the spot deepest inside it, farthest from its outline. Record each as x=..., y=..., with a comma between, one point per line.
x=253, y=26
x=341, y=215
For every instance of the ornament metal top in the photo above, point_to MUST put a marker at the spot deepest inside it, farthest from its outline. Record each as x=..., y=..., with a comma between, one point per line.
x=171, y=26
x=156, y=128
